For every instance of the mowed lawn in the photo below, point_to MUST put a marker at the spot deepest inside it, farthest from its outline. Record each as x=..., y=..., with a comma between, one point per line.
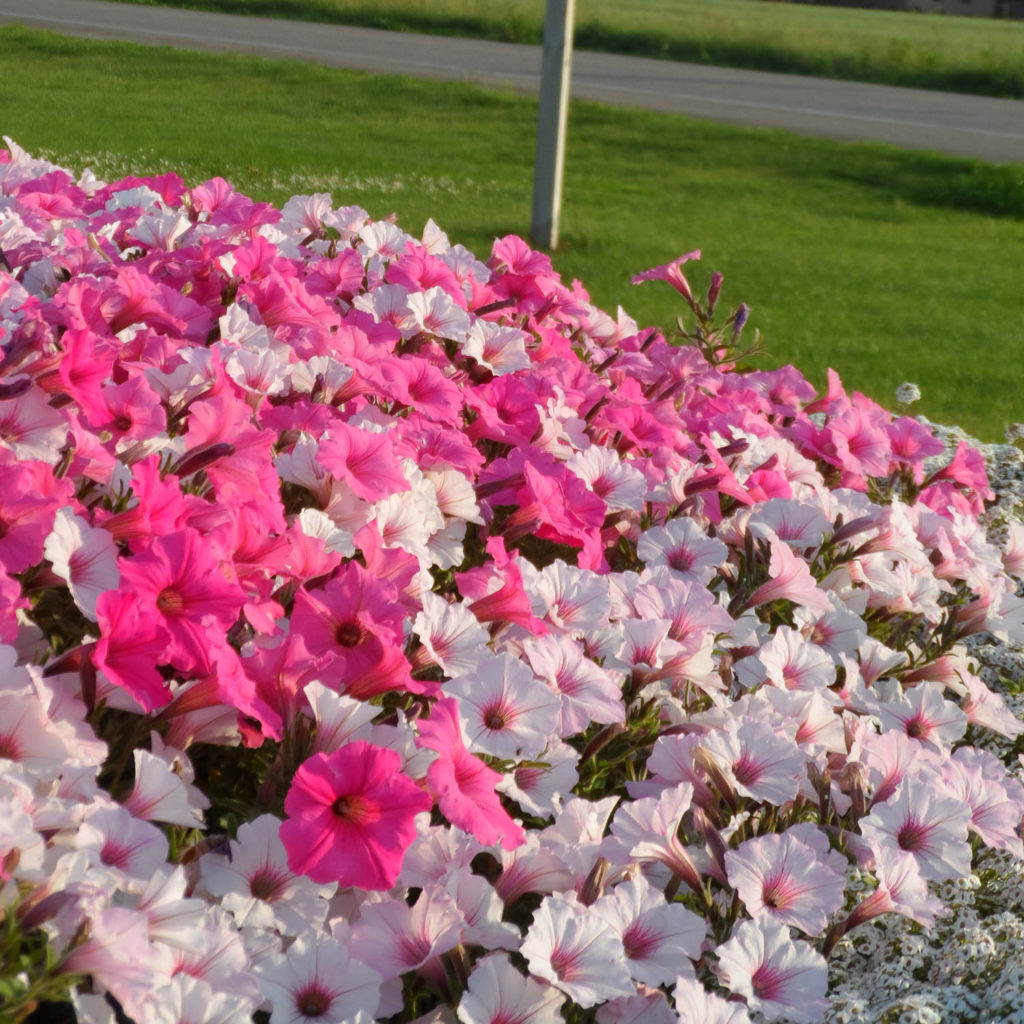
x=958, y=54
x=887, y=266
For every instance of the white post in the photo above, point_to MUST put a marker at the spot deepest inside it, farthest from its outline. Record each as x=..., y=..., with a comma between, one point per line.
x=556, y=70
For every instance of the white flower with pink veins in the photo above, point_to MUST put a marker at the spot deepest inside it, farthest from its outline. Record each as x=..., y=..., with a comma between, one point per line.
x=577, y=952
x=777, y=976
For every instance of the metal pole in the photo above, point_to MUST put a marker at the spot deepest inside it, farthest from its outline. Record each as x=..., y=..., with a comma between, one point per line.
x=556, y=70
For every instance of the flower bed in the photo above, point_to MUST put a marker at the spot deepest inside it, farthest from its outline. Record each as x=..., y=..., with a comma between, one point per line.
x=391, y=635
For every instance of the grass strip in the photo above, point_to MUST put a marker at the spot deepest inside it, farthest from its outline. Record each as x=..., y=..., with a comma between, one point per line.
x=956, y=54
x=886, y=265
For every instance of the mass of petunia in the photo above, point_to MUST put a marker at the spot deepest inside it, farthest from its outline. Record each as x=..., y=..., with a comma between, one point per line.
x=391, y=635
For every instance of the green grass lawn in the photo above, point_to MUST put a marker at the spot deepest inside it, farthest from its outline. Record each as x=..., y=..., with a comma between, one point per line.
x=978, y=55
x=888, y=266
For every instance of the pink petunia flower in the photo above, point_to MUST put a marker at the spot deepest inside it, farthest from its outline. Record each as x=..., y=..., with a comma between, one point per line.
x=791, y=580
x=354, y=628
x=464, y=787
x=363, y=460
x=351, y=817
x=671, y=273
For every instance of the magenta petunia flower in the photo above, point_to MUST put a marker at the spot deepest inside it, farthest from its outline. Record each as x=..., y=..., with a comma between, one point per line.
x=351, y=817
x=365, y=461
x=179, y=585
x=464, y=786
x=671, y=273
x=353, y=629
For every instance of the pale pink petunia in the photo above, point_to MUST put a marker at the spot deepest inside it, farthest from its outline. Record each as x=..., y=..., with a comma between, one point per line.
x=452, y=637
x=795, y=663
x=115, y=839
x=434, y=312
x=777, y=976
x=338, y=717
x=506, y=710
x=576, y=951
x=319, y=981
x=482, y=910
x=621, y=486
x=500, y=348
x=757, y=761
x=31, y=427
x=498, y=994
x=540, y=787
x=690, y=609
x=658, y=937
x=118, y=953
x=159, y=794
x=926, y=820
x=190, y=1000
x=996, y=800
x=647, y=830
x=28, y=736
x=696, y=1005
x=85, y=557
x=647, y=1006
x=922, y=713
x=217, y=955
x=784, y=879
x=393, y=938
x=586, y=691
x=172, y=916
x=984, y=706
x=684, y=548
x=801, y=524
x=572, y=600
x=790, y=580
x=535, y=866
x=254, y=883
x=889, y=758
x=902, y=889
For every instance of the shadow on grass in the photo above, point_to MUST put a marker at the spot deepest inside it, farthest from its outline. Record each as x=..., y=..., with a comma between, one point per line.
x=996, y=190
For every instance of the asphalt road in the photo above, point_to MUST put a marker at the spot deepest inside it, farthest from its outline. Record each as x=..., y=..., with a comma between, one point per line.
x=991, y=129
